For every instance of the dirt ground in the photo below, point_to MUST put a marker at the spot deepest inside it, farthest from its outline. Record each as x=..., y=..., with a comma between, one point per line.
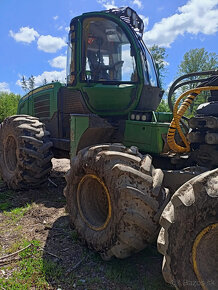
x=46, y=221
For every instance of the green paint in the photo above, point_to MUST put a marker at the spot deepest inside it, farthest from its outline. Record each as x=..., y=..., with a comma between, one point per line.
x=110, y=98
x=78, y=125
x=26, y=104
x=147, y=136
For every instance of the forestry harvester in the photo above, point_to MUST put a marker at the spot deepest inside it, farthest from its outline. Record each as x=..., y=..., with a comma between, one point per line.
x=135, y=173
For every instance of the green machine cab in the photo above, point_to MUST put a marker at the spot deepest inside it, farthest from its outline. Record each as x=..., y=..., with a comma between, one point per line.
x=112, y=88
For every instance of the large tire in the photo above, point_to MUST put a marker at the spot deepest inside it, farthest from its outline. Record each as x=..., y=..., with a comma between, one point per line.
x=114, y=197
x=25, y=152
x=188, y=238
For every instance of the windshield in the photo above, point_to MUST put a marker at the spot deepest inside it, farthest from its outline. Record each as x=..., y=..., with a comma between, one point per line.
x=149, y=70
x=107, y=52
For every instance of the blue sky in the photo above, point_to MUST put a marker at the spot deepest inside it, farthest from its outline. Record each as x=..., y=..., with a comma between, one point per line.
x=34, y=33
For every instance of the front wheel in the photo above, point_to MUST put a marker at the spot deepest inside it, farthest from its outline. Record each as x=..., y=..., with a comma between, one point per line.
x=188, y=238
x=114, y=198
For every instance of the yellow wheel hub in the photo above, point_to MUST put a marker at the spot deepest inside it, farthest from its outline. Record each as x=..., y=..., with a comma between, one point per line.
x=204, y=255
x=94, y=202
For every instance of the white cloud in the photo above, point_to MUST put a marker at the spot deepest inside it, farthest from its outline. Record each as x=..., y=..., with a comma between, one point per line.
x=60, y=27
x=55, y=17
x=4, y=87
x=197, y=16
x=49, y=76
x=50, y=44
x=107, y=4
x=137, y=3
x=58, y=62
x=25, y=34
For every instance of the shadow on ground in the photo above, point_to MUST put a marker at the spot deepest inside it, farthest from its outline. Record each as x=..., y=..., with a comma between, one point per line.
x=68, y=264
x=50, y=194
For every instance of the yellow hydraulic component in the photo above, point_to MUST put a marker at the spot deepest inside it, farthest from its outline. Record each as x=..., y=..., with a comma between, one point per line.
x=177, y=115
x=194, y=252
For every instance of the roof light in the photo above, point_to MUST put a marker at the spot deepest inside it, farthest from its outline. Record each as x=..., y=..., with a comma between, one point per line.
x=134, y=16
x=128, y=12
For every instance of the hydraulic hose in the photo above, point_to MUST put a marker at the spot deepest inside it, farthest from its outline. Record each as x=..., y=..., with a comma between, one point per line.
x=177, y=115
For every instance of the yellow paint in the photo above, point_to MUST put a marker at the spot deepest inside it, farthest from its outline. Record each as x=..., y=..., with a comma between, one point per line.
x=177, y=115
x=102, y=227
x=194, y=252
x=47, y=87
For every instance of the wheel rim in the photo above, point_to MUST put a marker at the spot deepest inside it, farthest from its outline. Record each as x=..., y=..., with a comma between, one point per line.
x=204, y=255
x=94, y=202
x=10, y=155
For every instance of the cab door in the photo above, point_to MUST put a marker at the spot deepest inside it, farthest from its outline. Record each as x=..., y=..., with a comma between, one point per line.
x=109, y=72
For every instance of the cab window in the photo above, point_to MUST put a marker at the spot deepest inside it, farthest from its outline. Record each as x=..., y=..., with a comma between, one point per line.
x=107, y=52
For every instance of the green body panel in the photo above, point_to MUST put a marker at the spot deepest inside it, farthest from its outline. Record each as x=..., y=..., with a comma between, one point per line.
x=78, y=125
x=147, y=136
x=162, y=117
x=113, y=98
x=32, y=103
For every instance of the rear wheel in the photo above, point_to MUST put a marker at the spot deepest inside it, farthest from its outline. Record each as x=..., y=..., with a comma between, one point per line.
x=25, y=152
x=189, y=235
x=114, y=198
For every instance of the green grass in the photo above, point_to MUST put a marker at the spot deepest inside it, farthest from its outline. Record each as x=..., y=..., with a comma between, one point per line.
x=74, y=236
x=32, y=271
x=5, y=200
x=122, y=271
x=15, y=215
x=1, y=182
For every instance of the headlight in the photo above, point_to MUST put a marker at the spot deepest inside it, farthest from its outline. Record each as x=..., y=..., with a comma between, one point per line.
x=138, y=117
x=132, y=117
x=144, y=117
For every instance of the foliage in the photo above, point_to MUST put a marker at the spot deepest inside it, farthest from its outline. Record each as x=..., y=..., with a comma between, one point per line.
x=197, y=60
x=24, y=84
x=163, y=106
x=29, y=84
x=8, y=104
x=45, y=82
x=159, y=55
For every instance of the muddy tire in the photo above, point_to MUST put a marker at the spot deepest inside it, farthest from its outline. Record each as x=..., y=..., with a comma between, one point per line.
x=188, y=238
x=114, y=198
x=25, y=152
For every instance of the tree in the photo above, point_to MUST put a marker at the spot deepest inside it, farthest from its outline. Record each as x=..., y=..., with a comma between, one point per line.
x=24, y=84
x=163, y=106
x=31, y=82
x=8, y=104
x=28, y=85
x=197, y=60
x=45, y=82
x=159, y=55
